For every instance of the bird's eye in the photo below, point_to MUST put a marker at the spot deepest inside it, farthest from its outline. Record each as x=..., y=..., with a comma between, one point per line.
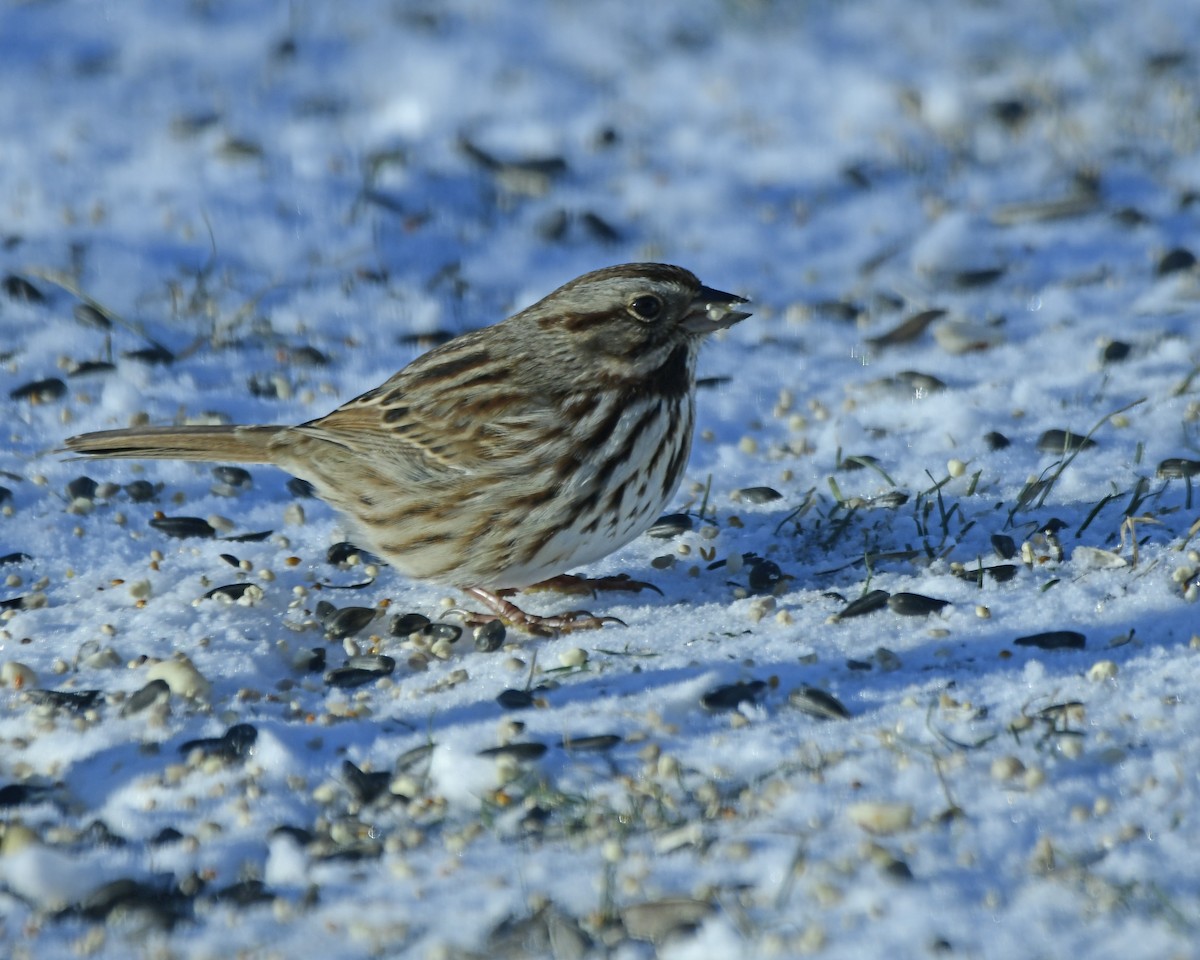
x=646, y=307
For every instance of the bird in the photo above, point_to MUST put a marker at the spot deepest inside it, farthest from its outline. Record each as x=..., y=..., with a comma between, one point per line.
x=507, y=455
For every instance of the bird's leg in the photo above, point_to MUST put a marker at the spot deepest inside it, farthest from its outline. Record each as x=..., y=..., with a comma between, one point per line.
x=590, y=586
x=513, y=615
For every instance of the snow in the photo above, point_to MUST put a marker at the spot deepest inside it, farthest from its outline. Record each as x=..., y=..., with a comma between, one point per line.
x=239, y=181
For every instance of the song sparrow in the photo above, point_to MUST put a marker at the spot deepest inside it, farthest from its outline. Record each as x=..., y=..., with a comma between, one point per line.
x=506, y=455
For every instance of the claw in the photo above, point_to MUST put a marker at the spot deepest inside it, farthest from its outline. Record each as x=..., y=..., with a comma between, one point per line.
x=540, y=626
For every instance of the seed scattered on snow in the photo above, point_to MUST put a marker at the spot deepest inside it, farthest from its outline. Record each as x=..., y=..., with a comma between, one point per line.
x=573, y=657
x=1178, y=468
x=659, y=920
x=516, y=751
x=345, y=622
x=17, y=676
x=868, y=603
x=879, y=817
x=154, y=693
x=40, y=391
x=759, y=607
x=515, y=699
x=914, y=604
x=1053, y=640
x=730, y=696
x=886, y=660
x=293, y=515
x=219, y=523
x=961, y=336
x=489, y=636
x=818, y=703
x=1094, y=558
x=1006, y=768
x=1064, y=441
x=756, y=494
x=237, y=743
x=671, y=526
x=182, y=677
x=1070, y=747
x=599, y=743
x=404, y=624
x=184, y=527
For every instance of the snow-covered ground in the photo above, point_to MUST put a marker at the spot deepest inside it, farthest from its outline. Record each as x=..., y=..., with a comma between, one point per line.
x=293, y=200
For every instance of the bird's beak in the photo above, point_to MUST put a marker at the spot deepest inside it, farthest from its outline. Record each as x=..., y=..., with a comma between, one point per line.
x=713, y=310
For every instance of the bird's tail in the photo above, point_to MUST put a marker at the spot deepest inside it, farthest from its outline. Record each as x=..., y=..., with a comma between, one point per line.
x=216, y=444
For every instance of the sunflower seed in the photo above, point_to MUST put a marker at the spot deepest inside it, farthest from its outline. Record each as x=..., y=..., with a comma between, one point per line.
x=139, y=491
x=236, y=743
x=308, y=357
x=89, y=367
x=917, y=382
x=1063, y=441
x=1175, y=260
x=348, y=677
x=152, y=694
x=1114, y=351
x=237, y=477
x=518, y=751
x=671, y=525
x=156, y=906
x=868, y=603
x=77, y=701
x=344, y=553
x=449, y=632
x=515, y=699
x=489, y=637
x=817, y=703
x=230, y=591
x=756, y=494
x=661, y=920
x=914, y=604
x=18, y=794
x=597, y=742
x=1004, y=545
x=764, y=575
x=730, y=696
x=908, y=330
x=311, y=660
x=348, y=621
x=82, y=488
x=155, y=354
x=18, y=288
x=1053, y=640
x=1000, y=572
x=375, y=662
x=257, y=537
x=1176, y=468
x=183, y=527
x=40, y=391
x=857, y=462
x=404, y=624
x=366, y=787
